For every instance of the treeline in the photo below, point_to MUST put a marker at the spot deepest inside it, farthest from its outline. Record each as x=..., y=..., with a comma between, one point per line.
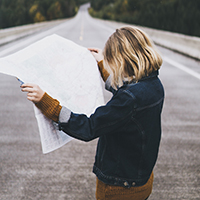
x=19, y=12
x=181, y=16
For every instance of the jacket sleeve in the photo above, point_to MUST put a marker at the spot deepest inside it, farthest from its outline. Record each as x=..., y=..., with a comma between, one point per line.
x=106, y=119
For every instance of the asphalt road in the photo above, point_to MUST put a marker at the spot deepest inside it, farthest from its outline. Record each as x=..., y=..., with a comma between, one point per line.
x=65, y=174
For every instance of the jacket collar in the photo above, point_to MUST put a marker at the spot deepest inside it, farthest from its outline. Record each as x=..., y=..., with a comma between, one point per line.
x=153, y=74
x=125, y=83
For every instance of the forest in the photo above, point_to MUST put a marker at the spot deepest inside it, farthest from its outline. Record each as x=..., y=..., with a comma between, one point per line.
x=181, y=16
x=20, y=12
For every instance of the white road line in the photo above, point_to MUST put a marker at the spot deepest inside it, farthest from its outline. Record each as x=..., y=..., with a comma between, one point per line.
x=182, y=67
x=82, y=31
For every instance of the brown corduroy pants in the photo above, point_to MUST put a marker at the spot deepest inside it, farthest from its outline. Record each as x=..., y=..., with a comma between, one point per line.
x=108, y=192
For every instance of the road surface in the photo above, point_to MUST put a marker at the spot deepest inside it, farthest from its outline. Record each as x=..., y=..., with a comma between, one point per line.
x=65, y=174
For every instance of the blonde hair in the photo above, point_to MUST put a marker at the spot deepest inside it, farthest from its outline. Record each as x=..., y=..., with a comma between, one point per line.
x=130, y=55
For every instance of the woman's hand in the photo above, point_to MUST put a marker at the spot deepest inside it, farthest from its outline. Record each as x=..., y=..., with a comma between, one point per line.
x=35, y=93
x=97, y=53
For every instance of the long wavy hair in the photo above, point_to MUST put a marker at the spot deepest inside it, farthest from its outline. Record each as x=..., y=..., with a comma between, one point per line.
x=129, y=55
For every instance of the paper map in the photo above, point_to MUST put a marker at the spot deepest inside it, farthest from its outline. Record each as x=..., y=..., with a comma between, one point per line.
x=66, y=71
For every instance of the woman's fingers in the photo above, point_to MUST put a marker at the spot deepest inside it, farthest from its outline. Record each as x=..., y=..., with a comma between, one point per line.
x=96, y=50
x=28, y=85
x=31, y=96
x=34, y=92
x=27, y=89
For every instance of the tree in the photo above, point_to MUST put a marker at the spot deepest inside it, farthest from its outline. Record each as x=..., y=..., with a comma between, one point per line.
x=173, y=15
x=54, y=11
x=18, y=12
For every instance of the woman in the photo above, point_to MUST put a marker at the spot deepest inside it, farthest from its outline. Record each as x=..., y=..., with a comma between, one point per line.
x=128, y=126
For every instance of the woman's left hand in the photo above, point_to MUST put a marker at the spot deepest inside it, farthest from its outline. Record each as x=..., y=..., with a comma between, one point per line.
x=35, y=93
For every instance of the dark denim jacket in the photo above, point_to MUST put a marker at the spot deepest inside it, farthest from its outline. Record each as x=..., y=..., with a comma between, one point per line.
x=129, y=131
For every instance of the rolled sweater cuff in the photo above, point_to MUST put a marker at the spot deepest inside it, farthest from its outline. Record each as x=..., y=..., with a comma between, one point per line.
x=103, y=71
x=50, y=107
